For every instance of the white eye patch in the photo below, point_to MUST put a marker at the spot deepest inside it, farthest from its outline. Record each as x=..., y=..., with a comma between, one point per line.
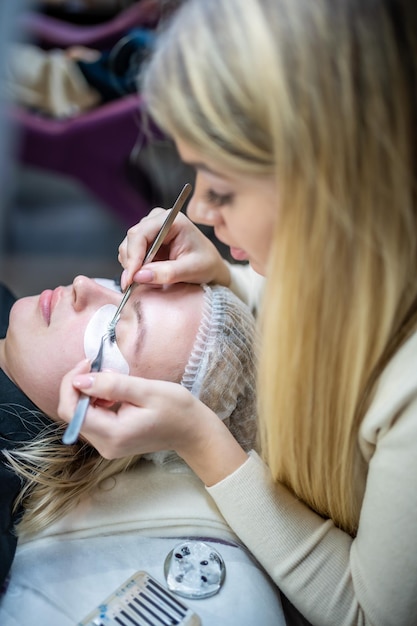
x=96, y=328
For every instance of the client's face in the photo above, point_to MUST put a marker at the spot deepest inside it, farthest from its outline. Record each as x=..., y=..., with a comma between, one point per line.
x=46, y=333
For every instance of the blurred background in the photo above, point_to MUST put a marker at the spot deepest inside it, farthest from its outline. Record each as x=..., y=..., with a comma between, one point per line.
x=76, y=171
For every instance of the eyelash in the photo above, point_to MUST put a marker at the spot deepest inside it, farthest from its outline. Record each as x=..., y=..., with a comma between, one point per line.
x=112, y=335
x=217, y=199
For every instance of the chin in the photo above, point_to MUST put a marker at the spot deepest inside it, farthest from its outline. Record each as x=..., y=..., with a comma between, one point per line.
x=20, y=312
x=257, y=268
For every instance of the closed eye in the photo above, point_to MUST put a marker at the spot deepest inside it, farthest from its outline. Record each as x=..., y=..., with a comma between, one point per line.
x=112, y=333
x=137, y=308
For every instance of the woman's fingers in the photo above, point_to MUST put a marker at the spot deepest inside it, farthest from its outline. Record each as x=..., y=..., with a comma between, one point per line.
x=147, y=416
x=107, y=386
x=138, y=240
x=187, y=255
x=113, y=386
x=132, y=415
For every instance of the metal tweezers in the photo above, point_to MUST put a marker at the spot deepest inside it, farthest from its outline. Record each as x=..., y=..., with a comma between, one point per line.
x=73, y=429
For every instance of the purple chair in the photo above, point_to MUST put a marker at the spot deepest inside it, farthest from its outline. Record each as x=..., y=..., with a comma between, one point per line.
x=54, y=33
x=93, y=148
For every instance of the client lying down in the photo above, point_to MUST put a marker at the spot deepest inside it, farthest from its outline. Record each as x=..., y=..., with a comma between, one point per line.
x=84, y=523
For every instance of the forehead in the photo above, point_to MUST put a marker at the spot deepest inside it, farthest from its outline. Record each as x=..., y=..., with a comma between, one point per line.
x=168, y=320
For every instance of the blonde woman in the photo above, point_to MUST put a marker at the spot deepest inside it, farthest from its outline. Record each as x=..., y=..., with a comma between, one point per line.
x=300, y=119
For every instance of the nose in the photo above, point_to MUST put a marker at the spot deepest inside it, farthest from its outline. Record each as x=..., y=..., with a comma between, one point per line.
x=88, y=292
x=199, y=209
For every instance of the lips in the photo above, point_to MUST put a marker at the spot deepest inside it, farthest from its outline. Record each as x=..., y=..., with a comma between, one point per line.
x=47, y=301
x=45, y=304
x=238, y=254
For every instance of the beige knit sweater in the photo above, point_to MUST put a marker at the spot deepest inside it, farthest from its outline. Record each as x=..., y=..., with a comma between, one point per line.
x=332, y=579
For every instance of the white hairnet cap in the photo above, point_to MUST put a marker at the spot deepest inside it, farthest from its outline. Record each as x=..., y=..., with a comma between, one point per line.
x=221, y=370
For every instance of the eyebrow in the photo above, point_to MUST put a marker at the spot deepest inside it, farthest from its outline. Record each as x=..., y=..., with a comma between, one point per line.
x=137, y=307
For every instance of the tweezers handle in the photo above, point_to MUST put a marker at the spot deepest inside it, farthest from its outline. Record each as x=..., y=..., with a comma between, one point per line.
x=176, y=208
x=73, y=429
x=157, y=243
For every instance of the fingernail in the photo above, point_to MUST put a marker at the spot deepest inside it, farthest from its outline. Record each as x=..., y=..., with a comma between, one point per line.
x=123, y=280
x=144, y=276
x=83, y=382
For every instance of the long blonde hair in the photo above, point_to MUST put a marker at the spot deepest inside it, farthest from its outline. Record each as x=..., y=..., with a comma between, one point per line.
x=321, y=95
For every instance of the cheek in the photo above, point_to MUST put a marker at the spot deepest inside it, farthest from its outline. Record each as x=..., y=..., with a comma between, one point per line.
x=38, y=356
x=39, y=347
x=261, y=233
x=39, y=372
x=44, y=393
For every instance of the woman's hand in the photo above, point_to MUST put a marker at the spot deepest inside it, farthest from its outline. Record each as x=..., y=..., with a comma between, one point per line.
x=187, y=255
x=136, y=416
